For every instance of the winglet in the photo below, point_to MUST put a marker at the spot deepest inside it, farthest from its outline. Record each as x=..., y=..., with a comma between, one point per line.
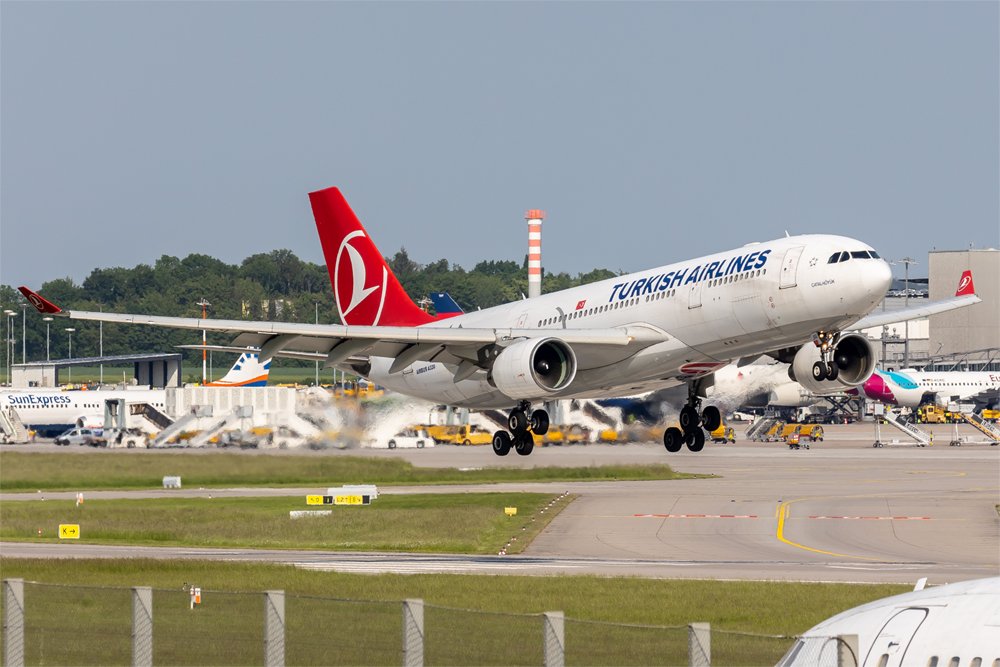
x=41, y=304
x=965, y=285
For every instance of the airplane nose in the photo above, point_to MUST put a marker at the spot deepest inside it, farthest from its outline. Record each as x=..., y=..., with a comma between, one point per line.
x=882, y=277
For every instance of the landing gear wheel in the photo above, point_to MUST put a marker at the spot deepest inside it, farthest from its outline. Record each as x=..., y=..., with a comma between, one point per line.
x=820, y=371
x=833, y=371
x=711, y=418
x=673, y=439
x=501, y=443
x=697, y=440
x=539, y=422
x=524, y=444
x=517, y=422
x=688, y=419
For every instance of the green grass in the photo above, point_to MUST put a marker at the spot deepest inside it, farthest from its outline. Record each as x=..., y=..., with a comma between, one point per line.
x=91, y=625
x=454, y=523
x=143, y=469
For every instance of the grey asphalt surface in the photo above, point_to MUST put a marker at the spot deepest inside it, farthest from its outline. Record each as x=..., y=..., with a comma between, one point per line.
x=840, y=511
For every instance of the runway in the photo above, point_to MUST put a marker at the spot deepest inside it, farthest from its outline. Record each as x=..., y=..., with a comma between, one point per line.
x=840, y=511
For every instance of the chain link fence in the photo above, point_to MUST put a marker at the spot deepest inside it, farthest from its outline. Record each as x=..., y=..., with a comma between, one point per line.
x=47, y=624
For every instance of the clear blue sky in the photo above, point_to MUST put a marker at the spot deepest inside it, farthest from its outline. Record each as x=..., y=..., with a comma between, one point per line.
x=649, y=132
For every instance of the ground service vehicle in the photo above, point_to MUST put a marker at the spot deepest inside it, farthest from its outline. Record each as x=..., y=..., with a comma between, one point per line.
x=82, y=436
x=463, y=434
x=724, y=434
x=410, y=438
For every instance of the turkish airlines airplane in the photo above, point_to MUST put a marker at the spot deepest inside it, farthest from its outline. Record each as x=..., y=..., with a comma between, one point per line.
x=791, y=298
x=911, y=388
x=52, y=411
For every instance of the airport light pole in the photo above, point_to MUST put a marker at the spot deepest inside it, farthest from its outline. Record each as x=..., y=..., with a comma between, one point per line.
x=10, y=344
x=7, y=345
x=906, y=295
x=48, y=321
x=24, y=321
x=316, y=304
x=204, y=341
x=70, y=331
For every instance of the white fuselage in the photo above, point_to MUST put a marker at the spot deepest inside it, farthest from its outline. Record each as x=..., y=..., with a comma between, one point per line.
x=51, y=410
x=955, y=624
x=748, y=301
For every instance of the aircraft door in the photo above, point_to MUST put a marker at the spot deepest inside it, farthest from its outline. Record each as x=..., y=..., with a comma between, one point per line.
x=694, y=295
x=789, y=267
x=895, y=637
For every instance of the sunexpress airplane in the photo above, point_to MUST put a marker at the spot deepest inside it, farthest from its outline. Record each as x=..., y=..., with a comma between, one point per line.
x=791, y=298
x=52, y=411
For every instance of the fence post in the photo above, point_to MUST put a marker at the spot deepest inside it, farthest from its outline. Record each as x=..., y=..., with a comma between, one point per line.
x=554, y=625
x=700, y=645
x=13, y=622
x=274, y=628
x=413, y=633
x=142, y=626
x=847, y=651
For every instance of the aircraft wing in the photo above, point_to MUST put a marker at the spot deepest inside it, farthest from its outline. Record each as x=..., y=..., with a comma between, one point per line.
x=891, y=317
x=336, y=343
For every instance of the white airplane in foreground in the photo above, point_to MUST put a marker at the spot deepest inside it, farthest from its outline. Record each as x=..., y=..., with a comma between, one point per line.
x=944, y=626
x=790, y=298
x=52, y=411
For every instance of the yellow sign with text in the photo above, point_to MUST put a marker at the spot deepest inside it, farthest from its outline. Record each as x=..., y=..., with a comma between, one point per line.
x=314, y=500
x=510, y=511
x=349, y=500
x=69, y=531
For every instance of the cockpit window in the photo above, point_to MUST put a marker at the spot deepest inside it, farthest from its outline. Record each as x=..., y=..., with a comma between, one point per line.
x=860, y=254
x=874, y=254
x=834, y=258
x=844, y=256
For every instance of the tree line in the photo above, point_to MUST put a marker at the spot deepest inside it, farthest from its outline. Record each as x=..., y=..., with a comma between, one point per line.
x=274, y=286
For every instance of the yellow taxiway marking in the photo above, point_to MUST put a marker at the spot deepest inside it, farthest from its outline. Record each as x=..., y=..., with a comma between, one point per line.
x=783, y=512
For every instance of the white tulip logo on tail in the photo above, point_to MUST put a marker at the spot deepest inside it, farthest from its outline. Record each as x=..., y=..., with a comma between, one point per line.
x=352, y=290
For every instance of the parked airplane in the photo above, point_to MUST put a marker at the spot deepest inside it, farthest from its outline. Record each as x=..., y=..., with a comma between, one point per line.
x=52, y=411
x=792, y=298
x=942, y=626
x=911, y=388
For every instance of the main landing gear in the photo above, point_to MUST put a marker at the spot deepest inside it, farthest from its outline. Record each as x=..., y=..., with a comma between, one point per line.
x=523, y=423
x=692, y=426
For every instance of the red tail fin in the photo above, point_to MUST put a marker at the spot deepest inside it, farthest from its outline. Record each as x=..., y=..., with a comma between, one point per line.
x=364, y=286
x=965, y=285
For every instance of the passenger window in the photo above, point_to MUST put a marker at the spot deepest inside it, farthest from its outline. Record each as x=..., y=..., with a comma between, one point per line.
x=953, y=662
x=932, y=662
x=976, y=662
x=884, y=660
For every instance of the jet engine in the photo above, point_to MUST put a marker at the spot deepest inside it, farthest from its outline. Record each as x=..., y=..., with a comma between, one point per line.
x=534, y=368
x=853, y=357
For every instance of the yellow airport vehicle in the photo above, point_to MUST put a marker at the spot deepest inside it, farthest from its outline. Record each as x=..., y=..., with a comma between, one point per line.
x=795, y=442
x=607, y=435
x=812, y=432
x=933, y=414
x=774, y=433
x=464, y=434
x=788, y=430
x=724, y=434
x=991, y=415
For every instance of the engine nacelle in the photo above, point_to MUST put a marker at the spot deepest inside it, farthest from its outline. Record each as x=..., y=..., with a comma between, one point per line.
x=534, y=368
x=853, y=355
